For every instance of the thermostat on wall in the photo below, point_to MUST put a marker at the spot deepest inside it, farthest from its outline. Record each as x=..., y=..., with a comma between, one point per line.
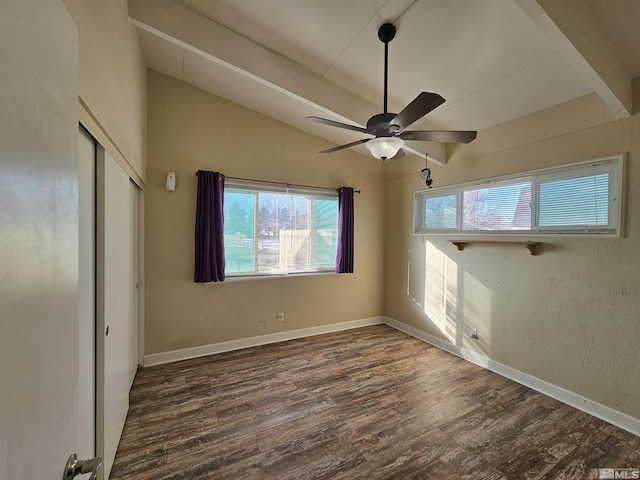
x=171, y=181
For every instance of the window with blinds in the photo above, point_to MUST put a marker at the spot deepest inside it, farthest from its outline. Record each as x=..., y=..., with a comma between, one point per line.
x=581, y=202
x=581, y=199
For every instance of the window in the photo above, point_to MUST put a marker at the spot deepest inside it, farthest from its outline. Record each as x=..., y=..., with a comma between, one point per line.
x=271, y=231
x=441, y=212
x=499, y=208
x=576, y=199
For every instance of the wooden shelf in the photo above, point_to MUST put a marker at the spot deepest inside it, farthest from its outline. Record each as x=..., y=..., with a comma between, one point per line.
x=531, y=246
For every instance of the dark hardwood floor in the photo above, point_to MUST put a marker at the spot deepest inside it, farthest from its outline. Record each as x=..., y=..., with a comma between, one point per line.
x=371, y=403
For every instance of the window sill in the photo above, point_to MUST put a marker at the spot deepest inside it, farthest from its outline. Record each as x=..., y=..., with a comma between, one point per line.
x=516, y=236
x=247, y=278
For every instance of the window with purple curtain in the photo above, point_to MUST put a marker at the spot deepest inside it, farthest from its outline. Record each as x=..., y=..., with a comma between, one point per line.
x=344, y=257
x=209, y=245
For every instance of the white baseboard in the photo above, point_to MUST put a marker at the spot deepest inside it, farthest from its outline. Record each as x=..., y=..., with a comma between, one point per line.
x=619, y=419
x=201, y=351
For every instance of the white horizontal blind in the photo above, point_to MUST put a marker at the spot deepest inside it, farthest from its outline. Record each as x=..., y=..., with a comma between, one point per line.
x=576, y=199
x=574, y=202
x=503, y=207
x=441, y=212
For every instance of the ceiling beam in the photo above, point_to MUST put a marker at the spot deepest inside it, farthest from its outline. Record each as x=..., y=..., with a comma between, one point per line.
x=194, y=32
x=573, y=33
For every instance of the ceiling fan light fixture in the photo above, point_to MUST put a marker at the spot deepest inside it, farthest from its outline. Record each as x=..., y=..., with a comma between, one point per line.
x=384, y=147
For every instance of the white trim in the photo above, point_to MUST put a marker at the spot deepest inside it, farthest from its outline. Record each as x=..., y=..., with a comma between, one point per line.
x=614, y=417
x=243, y=277
x=203, y=350
x=141, y=283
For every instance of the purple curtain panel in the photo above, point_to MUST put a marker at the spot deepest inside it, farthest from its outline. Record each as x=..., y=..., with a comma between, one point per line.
x=209, y=258
x=344, y=258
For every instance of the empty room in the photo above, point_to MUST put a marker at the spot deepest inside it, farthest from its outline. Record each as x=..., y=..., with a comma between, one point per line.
x=375, y=239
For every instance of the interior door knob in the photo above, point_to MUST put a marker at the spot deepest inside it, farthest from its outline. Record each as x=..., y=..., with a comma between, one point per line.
x=76, y=467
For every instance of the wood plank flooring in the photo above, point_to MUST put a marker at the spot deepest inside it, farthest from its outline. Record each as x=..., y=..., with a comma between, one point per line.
x=371, y=403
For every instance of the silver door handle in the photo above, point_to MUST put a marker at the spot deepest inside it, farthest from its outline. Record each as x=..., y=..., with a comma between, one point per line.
x=76, y=467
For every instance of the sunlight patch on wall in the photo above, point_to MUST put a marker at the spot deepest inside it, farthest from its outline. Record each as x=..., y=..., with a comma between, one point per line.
x=478, y=302
x=441, y=290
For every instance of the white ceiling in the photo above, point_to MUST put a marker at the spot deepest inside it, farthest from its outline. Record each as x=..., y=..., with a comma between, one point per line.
x=492, y=60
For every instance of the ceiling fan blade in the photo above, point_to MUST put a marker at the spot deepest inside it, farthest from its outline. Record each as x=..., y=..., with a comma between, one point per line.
x=418, y=108
x=332, y=123
x=342, y=147
x=444, y=136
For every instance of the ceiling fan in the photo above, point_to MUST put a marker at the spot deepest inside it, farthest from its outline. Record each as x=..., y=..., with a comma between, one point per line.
x=389, y=128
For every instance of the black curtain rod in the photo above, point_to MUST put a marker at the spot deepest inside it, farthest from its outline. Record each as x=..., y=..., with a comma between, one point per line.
x=283, y=184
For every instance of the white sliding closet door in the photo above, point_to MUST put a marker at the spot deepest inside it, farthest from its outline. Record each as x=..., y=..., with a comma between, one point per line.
x=117, y=270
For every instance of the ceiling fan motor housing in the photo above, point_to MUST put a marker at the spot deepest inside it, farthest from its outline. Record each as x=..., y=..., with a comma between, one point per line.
x=380, y=125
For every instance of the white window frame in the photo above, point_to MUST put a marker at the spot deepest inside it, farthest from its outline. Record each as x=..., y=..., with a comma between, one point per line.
x=613, y=165
x=266, y=187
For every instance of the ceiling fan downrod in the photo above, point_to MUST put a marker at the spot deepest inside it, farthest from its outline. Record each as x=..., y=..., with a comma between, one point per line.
x=386, y=33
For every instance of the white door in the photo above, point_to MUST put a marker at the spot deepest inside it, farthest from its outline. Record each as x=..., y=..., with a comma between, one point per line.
x=38, y=239
x=117, y=301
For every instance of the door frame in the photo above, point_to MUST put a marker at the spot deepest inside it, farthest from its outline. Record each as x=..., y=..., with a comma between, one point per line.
x=87, y=354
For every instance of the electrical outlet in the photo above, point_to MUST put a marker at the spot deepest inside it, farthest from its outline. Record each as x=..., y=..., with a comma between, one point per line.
x=281, y=317
x=473, y=333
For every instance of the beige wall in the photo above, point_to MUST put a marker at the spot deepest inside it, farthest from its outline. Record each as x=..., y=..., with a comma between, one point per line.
x=189, y=130
x=569, y=316
x=112, y=81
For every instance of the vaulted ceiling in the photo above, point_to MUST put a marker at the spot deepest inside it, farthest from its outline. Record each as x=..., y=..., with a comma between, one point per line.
x=492, y=60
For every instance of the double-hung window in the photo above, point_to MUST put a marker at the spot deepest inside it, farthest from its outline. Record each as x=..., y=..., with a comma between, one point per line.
x=579, y=199
x=279, y=231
